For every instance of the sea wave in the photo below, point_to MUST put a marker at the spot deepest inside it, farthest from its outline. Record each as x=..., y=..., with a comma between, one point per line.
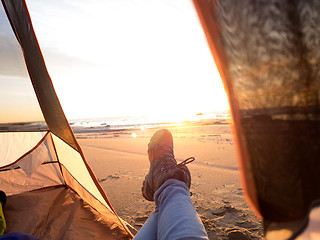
x=142, y=122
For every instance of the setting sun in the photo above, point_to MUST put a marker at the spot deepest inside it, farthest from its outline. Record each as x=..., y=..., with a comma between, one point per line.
x=103, y=64
x=114, y=58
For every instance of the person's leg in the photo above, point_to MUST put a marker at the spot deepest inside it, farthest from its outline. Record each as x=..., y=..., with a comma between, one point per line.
x=177, y=217
x=149, y=228
x=168, y=183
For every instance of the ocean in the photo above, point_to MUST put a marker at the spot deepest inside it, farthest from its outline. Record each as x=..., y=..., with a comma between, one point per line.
x=142, y=122
x=124, y=123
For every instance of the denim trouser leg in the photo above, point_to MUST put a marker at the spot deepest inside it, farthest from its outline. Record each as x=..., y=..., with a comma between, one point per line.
x=175, y=216
x=149, y=228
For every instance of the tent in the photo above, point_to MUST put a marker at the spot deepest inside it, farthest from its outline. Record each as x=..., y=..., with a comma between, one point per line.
x=267, y=56
x=267, y=53
x=52, y=192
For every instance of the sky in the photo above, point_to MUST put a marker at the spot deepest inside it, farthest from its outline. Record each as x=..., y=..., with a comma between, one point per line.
x=120, y=58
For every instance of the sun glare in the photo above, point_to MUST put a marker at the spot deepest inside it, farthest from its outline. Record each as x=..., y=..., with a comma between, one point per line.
x=106, y=59
x=134, y=135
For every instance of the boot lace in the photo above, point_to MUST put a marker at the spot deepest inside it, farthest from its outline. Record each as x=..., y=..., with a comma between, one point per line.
x=179, y=165
x=185, y=162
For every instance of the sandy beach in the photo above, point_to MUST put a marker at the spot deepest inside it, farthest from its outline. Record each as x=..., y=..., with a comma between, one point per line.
x=119, y=160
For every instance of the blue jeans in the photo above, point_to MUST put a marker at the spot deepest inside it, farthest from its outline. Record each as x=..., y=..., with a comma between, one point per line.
x=175, y=216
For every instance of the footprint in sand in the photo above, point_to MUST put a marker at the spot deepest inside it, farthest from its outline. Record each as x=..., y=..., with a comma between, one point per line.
x=141, y=219
x=112, y=177
x=218, y=212
x=223, y=210
x=237, y=235
x=101, y=180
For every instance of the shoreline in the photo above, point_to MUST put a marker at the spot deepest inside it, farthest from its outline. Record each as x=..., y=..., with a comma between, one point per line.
x=104, y=127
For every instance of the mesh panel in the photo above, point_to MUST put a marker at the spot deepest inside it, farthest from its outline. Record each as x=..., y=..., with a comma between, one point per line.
x=268, y=54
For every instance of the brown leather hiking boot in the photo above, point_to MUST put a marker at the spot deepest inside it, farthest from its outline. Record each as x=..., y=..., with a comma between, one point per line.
x=163, y=166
